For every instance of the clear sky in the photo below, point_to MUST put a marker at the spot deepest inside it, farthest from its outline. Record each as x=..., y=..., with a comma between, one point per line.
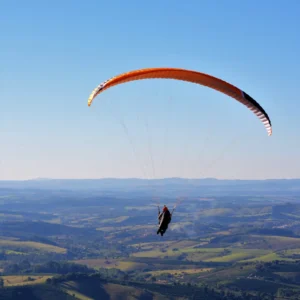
x=54, y=53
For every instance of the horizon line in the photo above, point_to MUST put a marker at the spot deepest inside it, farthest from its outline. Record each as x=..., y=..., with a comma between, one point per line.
x=144, y=179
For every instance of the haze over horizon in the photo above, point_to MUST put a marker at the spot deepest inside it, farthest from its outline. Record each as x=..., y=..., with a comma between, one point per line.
x=54, y=54
x=146, y=179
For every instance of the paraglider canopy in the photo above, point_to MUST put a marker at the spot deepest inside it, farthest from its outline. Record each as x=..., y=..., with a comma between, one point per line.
x=190, y=76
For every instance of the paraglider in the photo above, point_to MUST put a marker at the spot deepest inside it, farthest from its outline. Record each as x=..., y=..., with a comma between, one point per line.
x=164, y=218
x=190, y=76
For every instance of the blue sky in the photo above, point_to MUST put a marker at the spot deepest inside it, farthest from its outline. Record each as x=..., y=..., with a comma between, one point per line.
x=54, y=53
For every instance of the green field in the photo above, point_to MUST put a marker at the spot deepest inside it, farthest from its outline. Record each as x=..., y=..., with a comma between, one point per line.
x=115, y=220
x=19, y=280
x=179, y=272
x=237, y=255
x=216, y=212
x=31, y=245
x=112, y=263
x=268, y=257
x=124, y=228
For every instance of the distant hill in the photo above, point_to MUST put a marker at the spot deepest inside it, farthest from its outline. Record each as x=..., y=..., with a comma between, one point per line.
x=167, y=185
x=35, y=292
x=20, y=228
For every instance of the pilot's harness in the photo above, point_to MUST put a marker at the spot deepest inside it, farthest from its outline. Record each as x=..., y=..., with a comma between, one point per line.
x=178, y=202
x=171, y=213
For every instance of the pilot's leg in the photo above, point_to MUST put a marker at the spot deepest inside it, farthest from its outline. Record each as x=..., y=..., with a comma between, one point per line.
x=162, y=231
